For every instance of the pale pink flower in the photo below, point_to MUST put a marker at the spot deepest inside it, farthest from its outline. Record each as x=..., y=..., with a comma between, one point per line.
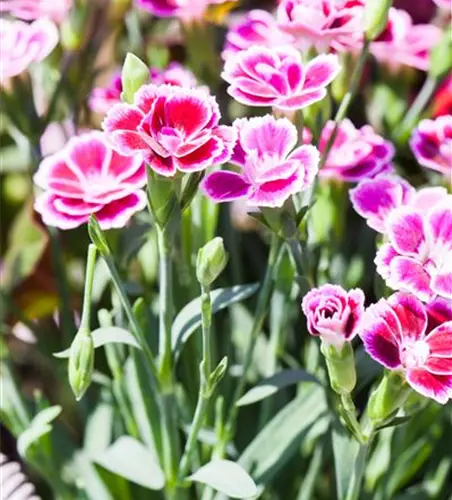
x=333, y=313
x=418, y=255
x=431, y=144
x=405, y=43
x=22, y=44
x=172, y=128
x=187, y=10
x=102, y=99
x=444, y=4
x=397, y=334
x=257, y=27
x=336, y=24
x=271, y=169
x=88, y=177
x=56, y=10
x=356, y=154
x=261, y=76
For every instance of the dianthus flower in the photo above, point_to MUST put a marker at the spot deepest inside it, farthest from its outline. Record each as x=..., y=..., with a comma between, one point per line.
x=431, y=144
x=396, y=333
x=323, y=23
x=257, y=27
x=103, y=98
x=356, y=153
x=418, y=255
x=333, y=313
x=172, y=129
x=271, y=169
x=88, y=177
x=260, y=76
x=442, y=98
x=405, y=43
x=22, y=44
x=28, y=10
x=187, y=10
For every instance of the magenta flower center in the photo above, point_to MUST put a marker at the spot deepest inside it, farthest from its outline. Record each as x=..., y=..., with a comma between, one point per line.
x=415, y=354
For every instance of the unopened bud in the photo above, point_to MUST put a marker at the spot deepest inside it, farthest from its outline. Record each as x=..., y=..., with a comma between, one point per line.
x=389, y=396
x=441, y=56
x=73, y=29
x=340, y=362
x=211, y=261
x=376, y=15
x=81, y=363
x=97, y=236
x=135, y=73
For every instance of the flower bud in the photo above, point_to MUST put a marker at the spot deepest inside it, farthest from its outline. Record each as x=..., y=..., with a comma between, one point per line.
x=97, y=236
x=135, y=74
x=340, y=362
x=376, y=15
x=81, y=363
x=211, y=261
x=389, y=396
x=441, y=56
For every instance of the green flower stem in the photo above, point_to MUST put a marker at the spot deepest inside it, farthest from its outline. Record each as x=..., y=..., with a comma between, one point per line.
x=205, y=391
x=171, y=445
x=89, y=279
x=350, y=410
x=261, y=313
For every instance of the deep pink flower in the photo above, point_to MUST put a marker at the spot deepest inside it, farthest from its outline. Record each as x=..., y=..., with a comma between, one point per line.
x=442, y=98
x=333, y=313
x=356, y=153
x=395, y=333
x=271, y=170
x=172, y=129
x=403, y=42
x=323, y=23
x=418, y=255
x=22, y=43
x=103, y=98
x=56, y=10
x=88, y=177
x=186, y=10
x=257, y=27
x=431, y=144
x=261, y=76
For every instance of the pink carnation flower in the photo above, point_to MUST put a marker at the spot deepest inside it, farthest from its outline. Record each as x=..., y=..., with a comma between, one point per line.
x=418, y=256
x=431, y=144
x=333, y=313
x=56, y=10
x=260, y=76
x=404, y=43
x=395, y=333
x=323, y=23
x=103, y=98
x=356, y=153
x=88, y=177
x=172, y=129
x=271, y=170
x=186, y=10
x=257, y=27
x=22, y=43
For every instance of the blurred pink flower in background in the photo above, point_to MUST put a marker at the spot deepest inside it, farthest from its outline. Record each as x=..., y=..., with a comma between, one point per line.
x=172, y=129
x=356, y=153
x=444, y=4
x=187, y=10
x=418, y=256
x=102, y=99
x=395, y=333
x=257, y=27
x=431, y=144
x=271, y=169
x=260, y=76
x=333, y=313
x=88, y=177
x=374, y=199
x=336, y=24
x=405, y=43
x=22, y=44
x=56, y=10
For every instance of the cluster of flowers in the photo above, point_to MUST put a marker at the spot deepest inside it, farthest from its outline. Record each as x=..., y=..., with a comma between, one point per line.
x=174, y=128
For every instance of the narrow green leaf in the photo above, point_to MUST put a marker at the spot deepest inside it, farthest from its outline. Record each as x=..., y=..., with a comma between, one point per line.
x=226, y=477
x=273, y=384
x=189, y=319
x=394, y=422
x=106, y=335
x=345, y=450
x=130, y=459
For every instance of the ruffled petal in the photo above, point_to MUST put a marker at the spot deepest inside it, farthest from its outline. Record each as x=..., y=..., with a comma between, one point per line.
x=225, y=186
x=321, y=71
x=437, y=387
